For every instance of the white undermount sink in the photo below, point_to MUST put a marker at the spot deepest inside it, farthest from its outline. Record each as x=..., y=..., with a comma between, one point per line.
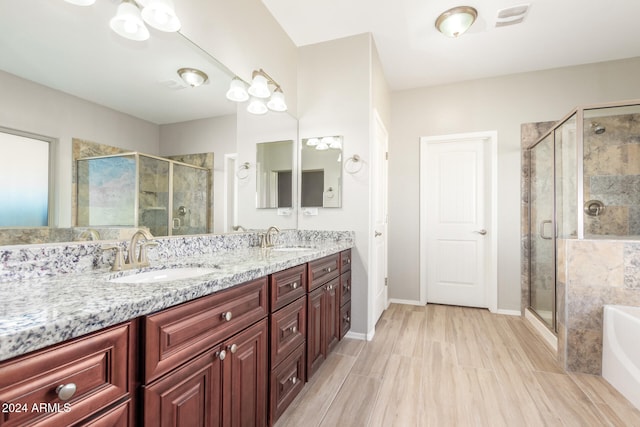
x=291, y=248
x=165, y=275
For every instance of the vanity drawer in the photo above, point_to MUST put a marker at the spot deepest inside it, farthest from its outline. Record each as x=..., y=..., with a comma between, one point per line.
x=115, y=417
x=287, y=286
x=175, y=335
x=287, y=380
x=322, y=270
x=345, y=319
x=345, y=288
x=345, y=260
x=98, y=365
x=288, y=329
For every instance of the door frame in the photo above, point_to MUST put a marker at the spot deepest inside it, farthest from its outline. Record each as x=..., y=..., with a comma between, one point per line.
x=491, y=162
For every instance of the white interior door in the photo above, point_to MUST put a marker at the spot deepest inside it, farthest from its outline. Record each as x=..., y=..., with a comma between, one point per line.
x=379, y=217
x=456, y=230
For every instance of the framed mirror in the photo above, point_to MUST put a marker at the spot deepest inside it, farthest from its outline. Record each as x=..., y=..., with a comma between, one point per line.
x=274, y=175
x=321, y=172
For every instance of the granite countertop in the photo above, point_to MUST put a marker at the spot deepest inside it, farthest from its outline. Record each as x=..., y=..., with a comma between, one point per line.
x=39, y=312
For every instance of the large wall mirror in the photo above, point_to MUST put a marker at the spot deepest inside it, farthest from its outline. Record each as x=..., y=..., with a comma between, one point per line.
x=321, y=172
x=66, y=75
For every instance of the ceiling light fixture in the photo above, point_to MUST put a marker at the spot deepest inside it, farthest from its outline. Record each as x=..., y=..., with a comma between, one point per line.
x=456, y=21
x=192, y=76
x=259, y=91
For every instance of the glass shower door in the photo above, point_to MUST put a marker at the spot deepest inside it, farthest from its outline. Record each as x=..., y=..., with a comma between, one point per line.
x=542, y=226
x=189, y=208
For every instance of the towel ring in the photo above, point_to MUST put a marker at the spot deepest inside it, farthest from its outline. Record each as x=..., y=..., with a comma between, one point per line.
x=243, y=170
x=353, y=164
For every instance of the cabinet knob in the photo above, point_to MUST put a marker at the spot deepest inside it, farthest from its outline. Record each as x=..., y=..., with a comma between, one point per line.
x=233, y=348
x=327, y=269
x=227, y=316
x=293, y=380
x=221, y=354
x=329, y=287
x=66, y=391
x=294, y=285
x=293, y=329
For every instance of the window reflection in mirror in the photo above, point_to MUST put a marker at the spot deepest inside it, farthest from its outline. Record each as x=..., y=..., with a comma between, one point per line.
x=25, y=171
x=321, y=172
x=274, y=177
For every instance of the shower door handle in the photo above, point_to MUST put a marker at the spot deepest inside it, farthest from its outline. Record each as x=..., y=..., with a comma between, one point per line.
x=542, y=224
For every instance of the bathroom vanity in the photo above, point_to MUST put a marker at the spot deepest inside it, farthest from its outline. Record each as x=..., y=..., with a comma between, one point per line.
x=225, y=347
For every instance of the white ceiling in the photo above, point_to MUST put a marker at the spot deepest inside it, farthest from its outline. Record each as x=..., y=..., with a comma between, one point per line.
x=555, y=33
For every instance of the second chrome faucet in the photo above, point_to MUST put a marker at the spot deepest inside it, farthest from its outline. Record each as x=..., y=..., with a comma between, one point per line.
x=266, y=239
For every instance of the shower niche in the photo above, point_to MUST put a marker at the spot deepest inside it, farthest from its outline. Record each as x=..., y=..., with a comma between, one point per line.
x=583, y=183
x=139, y=190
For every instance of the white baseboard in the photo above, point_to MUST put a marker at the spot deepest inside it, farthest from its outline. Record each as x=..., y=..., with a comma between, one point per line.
x=509, y=312
x=356, y=336
x=404, y=301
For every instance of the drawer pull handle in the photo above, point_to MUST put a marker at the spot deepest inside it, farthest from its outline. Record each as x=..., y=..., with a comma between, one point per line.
x=227, y=316
x=66, y=391
x=293, y=380
x=221, y=354
x=294, y=285
x=293, y=329
x=233, y=348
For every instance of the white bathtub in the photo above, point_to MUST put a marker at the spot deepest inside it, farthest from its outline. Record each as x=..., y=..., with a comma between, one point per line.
x=621, y=350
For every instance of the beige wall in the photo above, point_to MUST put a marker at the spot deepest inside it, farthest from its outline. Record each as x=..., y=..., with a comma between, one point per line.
x=500, y=104
x=334, y=90
x=34, y=108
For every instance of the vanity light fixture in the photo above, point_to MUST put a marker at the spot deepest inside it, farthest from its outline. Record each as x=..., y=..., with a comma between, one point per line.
x=237, y=91
x=257, y=106
x=128, y=22
x=192, y=76
x=312, y=142
x=131, y=15
x=259, y=91
x=454, y=22
x=322, y=145
x=161, y=15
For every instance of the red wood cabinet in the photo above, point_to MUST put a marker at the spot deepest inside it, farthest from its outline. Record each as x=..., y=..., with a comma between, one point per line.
x=225, y=386
x=97, y=372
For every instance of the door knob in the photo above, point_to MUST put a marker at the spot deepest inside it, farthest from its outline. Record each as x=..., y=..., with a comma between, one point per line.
x=377, y=233
x=481, y=232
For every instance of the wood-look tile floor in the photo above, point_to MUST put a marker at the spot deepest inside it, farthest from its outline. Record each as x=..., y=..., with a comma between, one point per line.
x=452, y=366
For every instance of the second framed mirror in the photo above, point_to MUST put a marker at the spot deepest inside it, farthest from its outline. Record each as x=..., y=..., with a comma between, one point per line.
x=321, y=172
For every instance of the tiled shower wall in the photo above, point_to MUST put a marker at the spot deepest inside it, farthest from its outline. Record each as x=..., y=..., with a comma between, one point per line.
x=612, y=174
x=590, y=273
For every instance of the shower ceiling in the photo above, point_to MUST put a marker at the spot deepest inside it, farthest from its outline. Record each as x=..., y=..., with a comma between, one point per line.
x=414, y=54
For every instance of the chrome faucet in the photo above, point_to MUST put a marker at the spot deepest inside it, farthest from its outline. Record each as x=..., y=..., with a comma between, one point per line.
x=267, y=241
x=133, y=261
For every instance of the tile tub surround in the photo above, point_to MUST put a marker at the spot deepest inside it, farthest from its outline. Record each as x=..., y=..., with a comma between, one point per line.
x=597, y=272
x=76, y=298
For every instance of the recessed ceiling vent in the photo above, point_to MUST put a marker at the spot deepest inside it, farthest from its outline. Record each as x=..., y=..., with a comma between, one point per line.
x=512, y=15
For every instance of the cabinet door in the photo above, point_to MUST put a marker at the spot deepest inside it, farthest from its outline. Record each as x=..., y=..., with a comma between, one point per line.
x=332, y=314
x=345, y=288
x=315, y=331
x=189, y=396
x=245, y=378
